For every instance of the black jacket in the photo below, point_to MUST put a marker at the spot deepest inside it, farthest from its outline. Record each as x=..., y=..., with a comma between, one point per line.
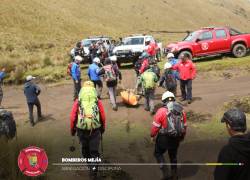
x=31, y=92
x=236, y=151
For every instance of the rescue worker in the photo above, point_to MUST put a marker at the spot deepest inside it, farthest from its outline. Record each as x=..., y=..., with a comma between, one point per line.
x=168, y=80
x=187, y=71
x=2, y=76
x=148, y=81
x=140, y=66
x=145, y=62
x=237, y=150
x=173, y=61
x=112, y=75
x=150, y=48
x=167, y=133
x=93, y=73
x=32, y=91
x=76, y=75
x=88, y=121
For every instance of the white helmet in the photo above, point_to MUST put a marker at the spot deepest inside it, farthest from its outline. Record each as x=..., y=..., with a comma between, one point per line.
x=113, y=58
x=78, y=58
x=167, y=65
x=167, y=95
x=147, y=39
x=96, y=60
x=170, y=55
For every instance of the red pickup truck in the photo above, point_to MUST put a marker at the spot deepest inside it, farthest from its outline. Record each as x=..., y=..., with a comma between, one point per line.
x=210, y=41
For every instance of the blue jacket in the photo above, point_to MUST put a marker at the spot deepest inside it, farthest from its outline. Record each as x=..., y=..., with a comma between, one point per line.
x=174, y=61
x=93, y=72
x=76, y=72
x=2, y=76
x=31, y=92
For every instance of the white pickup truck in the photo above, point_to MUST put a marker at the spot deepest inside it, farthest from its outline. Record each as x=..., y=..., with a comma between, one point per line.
x=132, y=47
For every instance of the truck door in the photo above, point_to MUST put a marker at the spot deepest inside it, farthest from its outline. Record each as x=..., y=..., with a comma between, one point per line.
x=222, y=40
x=204, y=43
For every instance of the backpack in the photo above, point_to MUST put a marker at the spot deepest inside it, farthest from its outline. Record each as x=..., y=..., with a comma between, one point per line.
x=175, y=123
x=69, y=69
x=170, y=82
x=148, y=80
x=88, y=118
x=156, y=70
x=7, y=124
x=109, y=73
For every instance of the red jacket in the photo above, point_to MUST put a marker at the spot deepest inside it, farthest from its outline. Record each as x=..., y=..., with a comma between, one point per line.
x=160, y=121
x=151, y=49
x=144, y=66
x=74, y=116
x=186, y=70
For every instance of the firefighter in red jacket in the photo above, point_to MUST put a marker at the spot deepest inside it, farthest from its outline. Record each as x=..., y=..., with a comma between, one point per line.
x=89, y=137
x=168, y=135
x=187, y=71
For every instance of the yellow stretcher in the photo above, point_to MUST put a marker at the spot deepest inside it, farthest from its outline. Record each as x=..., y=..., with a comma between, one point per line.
x=129, y=97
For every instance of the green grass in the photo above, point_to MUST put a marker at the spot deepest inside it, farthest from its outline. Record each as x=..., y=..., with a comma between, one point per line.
x=44, y=34
x=219, y=64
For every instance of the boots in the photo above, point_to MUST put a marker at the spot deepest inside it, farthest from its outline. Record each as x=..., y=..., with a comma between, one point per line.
x=174, y=174
x=165, y=172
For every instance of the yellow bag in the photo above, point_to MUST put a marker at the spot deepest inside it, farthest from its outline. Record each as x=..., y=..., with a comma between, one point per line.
x=129, y=97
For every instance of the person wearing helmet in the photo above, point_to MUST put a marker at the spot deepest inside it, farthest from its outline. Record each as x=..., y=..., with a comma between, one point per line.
x=145, y=62
x=76, y=75
x=237, y=150
x=93, y=73
x=168, y=80
x=187, y=71
x=148, y=81
x=173, y=61
x=112, y=74
x=151, y=48
x=167, y=131
x=87, y=120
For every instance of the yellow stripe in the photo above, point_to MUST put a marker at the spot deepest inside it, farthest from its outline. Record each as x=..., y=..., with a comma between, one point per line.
x=214, y=164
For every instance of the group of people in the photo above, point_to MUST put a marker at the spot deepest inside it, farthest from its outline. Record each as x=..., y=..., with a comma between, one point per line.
x=169, y=127
x=101, y=49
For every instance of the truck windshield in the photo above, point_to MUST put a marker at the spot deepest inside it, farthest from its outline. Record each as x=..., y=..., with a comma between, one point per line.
x=133, y=41
x=88, y=42
x=234, y=32
x=191, y=37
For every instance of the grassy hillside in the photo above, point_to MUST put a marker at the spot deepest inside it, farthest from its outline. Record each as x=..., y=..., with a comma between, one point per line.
x=37, y=33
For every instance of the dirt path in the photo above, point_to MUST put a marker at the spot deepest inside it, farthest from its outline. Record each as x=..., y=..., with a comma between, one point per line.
x=127, y=134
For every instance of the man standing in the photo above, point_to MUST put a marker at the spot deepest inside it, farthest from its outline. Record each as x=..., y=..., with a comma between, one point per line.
x=237, y=150
x=148, y=80
x=173, y=61
x=169, y=128
x=187, y=71
x=77, y=51
x=76, y=75
x=32, y=91
x=2, y=76
x=88, y=120
x=93, y=73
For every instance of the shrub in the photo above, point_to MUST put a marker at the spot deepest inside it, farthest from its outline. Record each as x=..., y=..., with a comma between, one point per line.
x=9, y=48
x=47, y=61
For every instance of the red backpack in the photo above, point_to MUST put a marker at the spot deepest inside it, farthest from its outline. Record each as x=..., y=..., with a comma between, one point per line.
x=69, y=69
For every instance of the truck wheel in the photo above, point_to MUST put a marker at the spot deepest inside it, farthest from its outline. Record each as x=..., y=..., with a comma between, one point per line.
x=185, y=52
x=239, y=50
